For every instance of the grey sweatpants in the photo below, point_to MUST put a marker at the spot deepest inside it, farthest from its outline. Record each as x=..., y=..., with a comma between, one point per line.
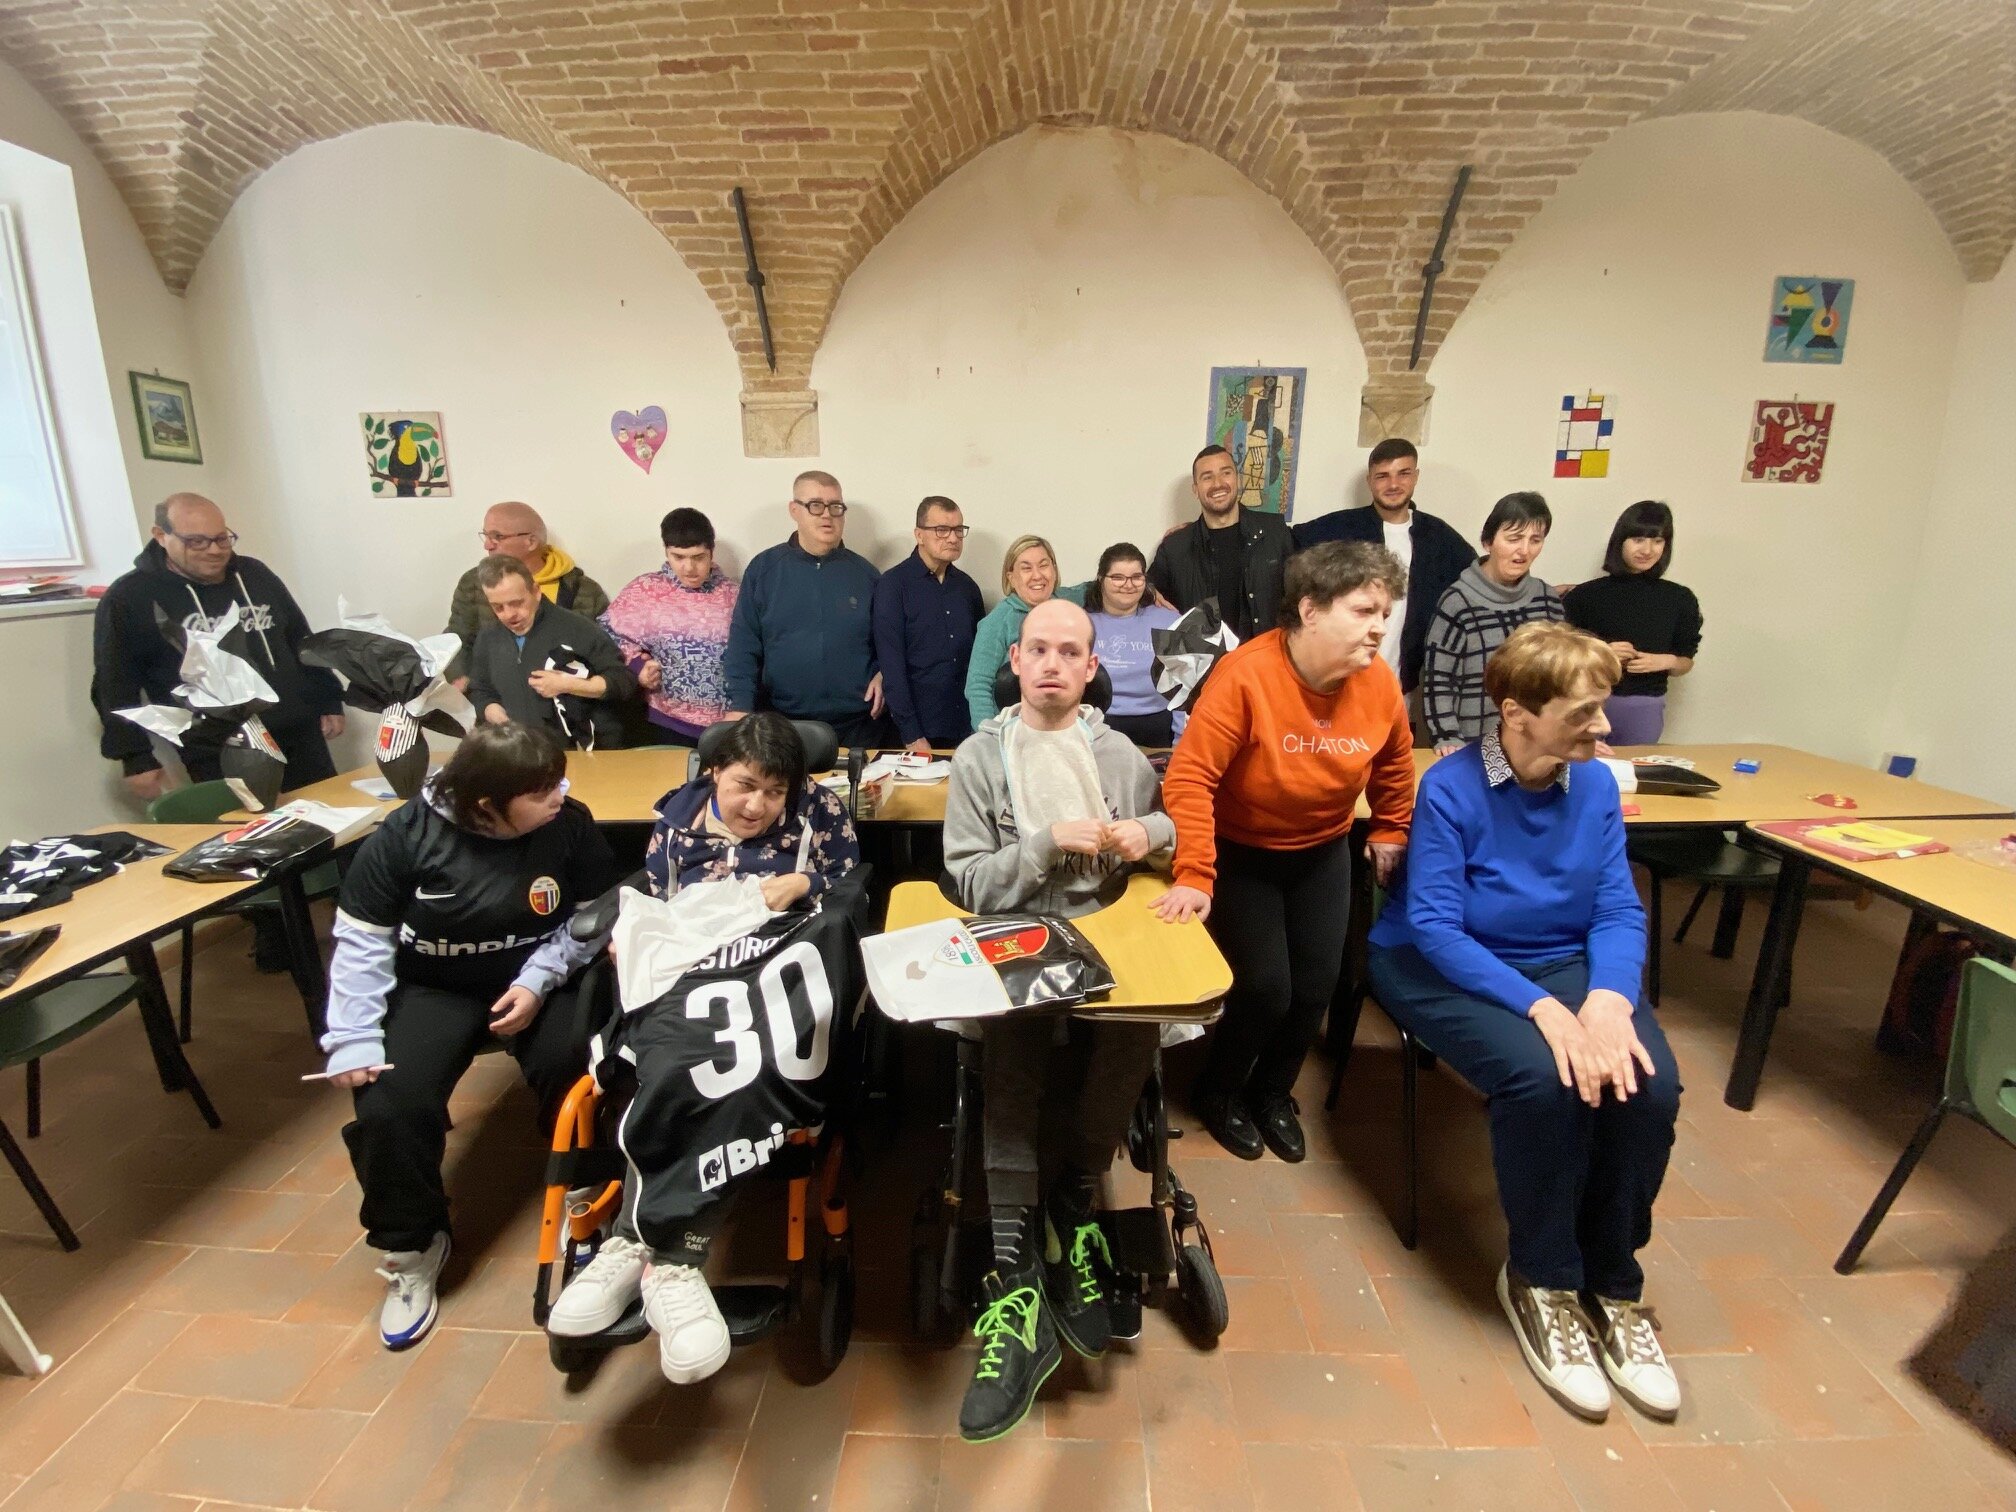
x=1083, y=1098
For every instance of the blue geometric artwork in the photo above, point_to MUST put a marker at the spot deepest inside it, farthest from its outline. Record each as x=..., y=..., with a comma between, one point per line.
x=1809, y=319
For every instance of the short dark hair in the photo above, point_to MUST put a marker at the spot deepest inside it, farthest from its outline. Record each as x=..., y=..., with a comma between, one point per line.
x=683, y=529
x=494, y=568
x=767, y=744
x=1648, y=517
x=494, y=764
x=1523, y=508
x=1119, y=551
x=1213, y=450
x=934, y=501
x=1327, y=572
x=1392, y=449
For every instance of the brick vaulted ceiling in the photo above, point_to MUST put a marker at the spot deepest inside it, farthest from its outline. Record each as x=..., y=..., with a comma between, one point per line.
x=837, y=118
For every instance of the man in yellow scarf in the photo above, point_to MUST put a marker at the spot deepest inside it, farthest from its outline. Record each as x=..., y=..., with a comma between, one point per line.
x=516, y=530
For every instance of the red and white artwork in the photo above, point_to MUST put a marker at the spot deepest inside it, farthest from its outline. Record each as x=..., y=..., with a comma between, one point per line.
x=1788, y=441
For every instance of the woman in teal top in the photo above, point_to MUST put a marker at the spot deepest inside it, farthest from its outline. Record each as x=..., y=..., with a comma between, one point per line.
x=1028, y=577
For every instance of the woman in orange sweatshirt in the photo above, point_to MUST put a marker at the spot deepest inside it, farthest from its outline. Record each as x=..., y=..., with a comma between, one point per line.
x=1290, y=729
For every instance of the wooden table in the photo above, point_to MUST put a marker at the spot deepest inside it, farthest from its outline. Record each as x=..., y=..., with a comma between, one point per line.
x=1166, y=972
x=1949, y=888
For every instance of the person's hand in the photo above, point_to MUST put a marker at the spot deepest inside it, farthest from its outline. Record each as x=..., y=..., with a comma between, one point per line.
x=1447, y=747
x=1155, y=598
x=1181, y=904
x=1575, y=1058
x=332, y=726
x=494, y=714
x=779, y=893
x=1127, y=839
x=875, y=696
x=147, y=786
x=1648, y=661
x=919, y=747
x=1385, y=860
x=550, y=684
x=650, y=675
x=363, y=1076
x=1084, y=837
x=1606, y=1019
x=514, y=1010
x=734, y=714
x=460, y=684
x=1624, y=649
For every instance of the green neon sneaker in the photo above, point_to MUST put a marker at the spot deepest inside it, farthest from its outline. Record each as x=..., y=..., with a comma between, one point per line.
x=1077, y=1284
x=1018, y=1350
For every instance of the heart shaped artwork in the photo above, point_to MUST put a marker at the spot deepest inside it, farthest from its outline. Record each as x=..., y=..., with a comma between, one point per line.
x=640, y=435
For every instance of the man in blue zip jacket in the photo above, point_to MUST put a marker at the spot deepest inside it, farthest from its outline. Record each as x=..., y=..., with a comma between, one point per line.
x=802, y=641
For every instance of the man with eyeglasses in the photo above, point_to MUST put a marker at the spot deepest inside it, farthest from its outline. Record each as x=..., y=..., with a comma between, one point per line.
x=517, y=530
x=186, y=578
x=926, y=611
x=802, y=640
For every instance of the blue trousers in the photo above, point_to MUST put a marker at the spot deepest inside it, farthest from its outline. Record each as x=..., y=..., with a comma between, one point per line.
x=1577, y=1183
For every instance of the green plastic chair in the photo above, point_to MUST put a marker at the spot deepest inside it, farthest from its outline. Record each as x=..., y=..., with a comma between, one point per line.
x=1980, y=1082
x=206, y=803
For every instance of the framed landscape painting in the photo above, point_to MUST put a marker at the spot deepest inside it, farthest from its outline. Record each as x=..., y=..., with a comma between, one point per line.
x=167, y=414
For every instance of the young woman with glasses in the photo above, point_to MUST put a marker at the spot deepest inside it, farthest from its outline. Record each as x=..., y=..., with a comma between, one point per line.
x=1122, y=617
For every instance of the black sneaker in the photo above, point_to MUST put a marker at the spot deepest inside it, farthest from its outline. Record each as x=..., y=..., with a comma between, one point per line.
x=270, y=952
x=1077, y=1280
x=1018, y=1350
x=1281, y=1127
x=1226, y=1120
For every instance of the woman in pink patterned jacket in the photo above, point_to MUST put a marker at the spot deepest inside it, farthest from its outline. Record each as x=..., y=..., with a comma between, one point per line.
x=672, y=628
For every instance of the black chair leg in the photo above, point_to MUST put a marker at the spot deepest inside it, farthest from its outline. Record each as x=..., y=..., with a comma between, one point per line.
x=35, y=1098
x=1728, y=924
x=1343, y=1033
x=1899, y=1174
x=1656, y=906
x=1410, y=1084
x=1687, y=919
x=188, y=981
x=37, y=1193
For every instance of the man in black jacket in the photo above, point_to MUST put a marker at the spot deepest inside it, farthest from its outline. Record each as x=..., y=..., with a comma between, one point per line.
x=1228, y=553
x=539, y=664
x=190, y=577
x=1429, y=548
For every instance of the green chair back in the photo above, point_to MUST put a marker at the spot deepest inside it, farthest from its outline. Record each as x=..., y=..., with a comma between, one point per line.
x=199, y=803
x=1981, y=1067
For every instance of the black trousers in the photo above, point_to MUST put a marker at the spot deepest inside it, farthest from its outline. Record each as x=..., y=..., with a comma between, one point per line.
x=1154, y=731
x=1279, y=918
x=1080, y=1094
x=307, y=754
x=401, y=1127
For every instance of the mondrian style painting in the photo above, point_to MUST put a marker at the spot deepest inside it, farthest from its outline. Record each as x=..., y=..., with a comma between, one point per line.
x=1582, y=440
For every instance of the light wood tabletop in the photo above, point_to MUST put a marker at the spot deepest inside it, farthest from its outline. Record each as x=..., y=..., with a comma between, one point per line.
x=102, y=919
x=1166, y=972
x=1971, y=893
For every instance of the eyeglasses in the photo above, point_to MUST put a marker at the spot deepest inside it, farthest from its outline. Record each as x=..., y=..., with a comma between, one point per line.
x=222, y=542
x=946, y=532
x=822, y=507
x=1126, y=579
x=495, y=538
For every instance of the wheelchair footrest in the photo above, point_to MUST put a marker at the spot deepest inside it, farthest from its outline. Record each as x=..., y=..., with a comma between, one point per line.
x=1140, y=1241
x=751, y=1311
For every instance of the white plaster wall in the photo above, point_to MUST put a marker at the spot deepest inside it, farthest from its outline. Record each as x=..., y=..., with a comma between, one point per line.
x=1649, y=275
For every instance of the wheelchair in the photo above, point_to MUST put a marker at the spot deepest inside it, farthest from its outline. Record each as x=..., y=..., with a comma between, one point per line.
x=585, y=1170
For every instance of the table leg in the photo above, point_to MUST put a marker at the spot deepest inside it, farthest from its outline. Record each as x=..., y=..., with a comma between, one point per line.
x=176, y=1075
x=1728, y=924
x=1767, y=986
x=305, y=954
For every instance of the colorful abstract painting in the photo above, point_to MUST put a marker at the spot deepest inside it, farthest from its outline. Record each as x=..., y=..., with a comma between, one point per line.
x=1582, y=439
x=1788, y=441
x=1809, y=319
x=1256, y=414
x=407, y=453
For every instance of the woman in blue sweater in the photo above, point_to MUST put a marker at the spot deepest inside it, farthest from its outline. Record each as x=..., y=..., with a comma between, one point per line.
x=1028, y=576
x=1122, y=623
x=1513, y=949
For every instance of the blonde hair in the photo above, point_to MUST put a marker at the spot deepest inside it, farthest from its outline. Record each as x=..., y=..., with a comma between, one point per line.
x=1015, y=548
x=1546, y=660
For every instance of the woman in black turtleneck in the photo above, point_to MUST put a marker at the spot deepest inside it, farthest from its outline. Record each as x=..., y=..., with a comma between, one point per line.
x=1654, y=626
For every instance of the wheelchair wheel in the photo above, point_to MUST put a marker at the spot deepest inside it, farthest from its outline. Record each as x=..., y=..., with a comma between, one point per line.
x=1202, y=1291
x=1141, y=1137
x=570, y=1355
x=836, y=1310
x=927, y=1313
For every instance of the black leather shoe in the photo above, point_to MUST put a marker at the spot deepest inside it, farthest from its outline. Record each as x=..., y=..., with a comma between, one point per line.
x=1281, y=1127
x=1227, y=1121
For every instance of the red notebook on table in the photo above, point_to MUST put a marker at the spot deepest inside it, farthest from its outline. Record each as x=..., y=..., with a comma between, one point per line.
x=1862, y=841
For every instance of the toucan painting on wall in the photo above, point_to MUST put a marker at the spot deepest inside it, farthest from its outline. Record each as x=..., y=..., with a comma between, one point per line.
x=408, y=454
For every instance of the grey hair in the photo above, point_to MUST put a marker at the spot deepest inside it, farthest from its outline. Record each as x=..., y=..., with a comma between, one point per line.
x=1326, y=573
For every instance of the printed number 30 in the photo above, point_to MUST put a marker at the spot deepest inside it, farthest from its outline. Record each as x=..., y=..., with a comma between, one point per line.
x=778, y=1018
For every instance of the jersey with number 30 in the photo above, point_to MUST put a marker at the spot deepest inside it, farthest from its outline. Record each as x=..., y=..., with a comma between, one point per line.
x=743, y=1049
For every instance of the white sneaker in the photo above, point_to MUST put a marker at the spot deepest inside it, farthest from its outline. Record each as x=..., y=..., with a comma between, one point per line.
x=1552, y=1336
x=692, y=1335
x=1628, y=1342
x=411, y=1302
x=601, y=1291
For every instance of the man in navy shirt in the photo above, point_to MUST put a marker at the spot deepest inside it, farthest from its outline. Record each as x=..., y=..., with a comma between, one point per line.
x=926, y=611
x=802, y=641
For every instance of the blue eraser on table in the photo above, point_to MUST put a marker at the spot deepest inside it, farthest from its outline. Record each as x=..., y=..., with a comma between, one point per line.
x=1748, y=764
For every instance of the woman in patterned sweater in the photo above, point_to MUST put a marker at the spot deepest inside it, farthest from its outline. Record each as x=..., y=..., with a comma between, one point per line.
x=672, y=628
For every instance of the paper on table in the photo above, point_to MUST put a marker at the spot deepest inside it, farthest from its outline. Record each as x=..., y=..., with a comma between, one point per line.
x=906, y=767
x=1625, y=773
x=930, y=972
x=340, y=822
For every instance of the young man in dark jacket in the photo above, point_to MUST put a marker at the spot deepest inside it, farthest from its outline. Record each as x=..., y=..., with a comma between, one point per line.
x=539, y=664
x=518, y=530
x=187, y=578
x=1430, y=550
x=1229, y=553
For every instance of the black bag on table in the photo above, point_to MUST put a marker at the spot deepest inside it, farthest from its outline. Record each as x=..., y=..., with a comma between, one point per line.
x=18, y=950
x=252, y=852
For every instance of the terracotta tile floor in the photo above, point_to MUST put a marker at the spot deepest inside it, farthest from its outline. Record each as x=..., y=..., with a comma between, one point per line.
x=216, y=1343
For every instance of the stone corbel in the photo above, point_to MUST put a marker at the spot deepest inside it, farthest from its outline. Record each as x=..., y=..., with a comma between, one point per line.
x=1394, y=405
x=780, y=423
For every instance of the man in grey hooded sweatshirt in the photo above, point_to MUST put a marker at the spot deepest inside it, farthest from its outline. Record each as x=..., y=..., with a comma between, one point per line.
x=1048, y=811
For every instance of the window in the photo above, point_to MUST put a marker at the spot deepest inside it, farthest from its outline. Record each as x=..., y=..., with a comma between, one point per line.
x=37, y=528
